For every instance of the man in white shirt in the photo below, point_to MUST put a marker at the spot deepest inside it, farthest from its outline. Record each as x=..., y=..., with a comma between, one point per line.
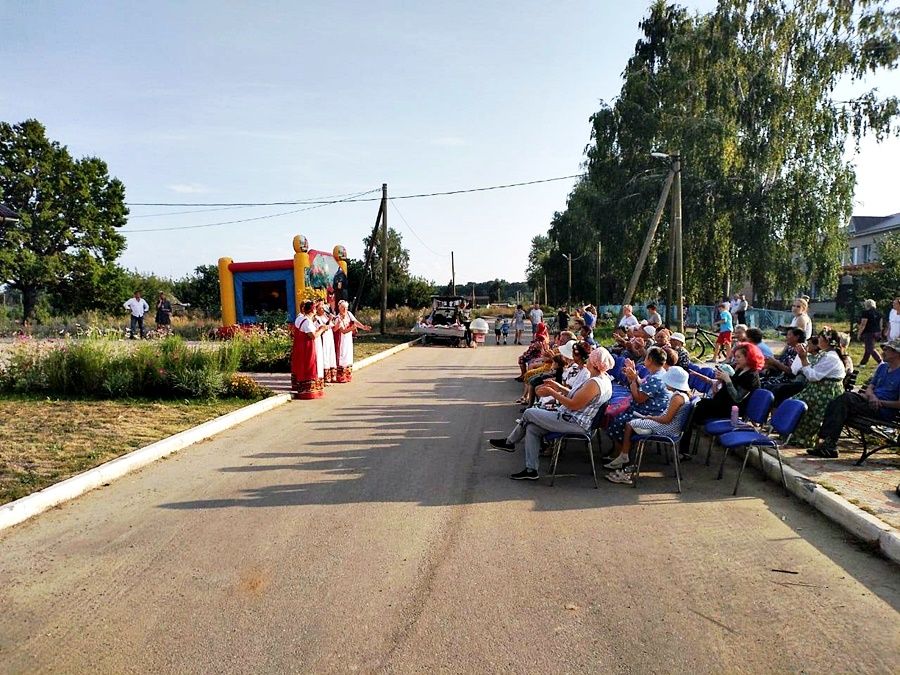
x=536, y=315
x=138, y=307
x=893, y=322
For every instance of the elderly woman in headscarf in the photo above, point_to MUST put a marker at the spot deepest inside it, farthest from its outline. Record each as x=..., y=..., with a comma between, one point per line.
x=537, y=350
x=345, y=327
x=576, y=412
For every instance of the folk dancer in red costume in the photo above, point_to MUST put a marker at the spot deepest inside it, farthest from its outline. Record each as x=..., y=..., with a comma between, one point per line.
x=307, y=377
x=345, y=328
x=328, y=348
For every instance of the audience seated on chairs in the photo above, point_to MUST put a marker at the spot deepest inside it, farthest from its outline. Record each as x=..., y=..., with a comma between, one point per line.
x=755, y=336
x=549, y=366
x=735, y=387
x=575, y=372
x=792, y=387
x=824, y=382
x=879, y=400
x=778, y=368
x=676, y=341
x=649, y=397
x=576, y=412
x=668, y=423
x=628, y=319
x=538, y=349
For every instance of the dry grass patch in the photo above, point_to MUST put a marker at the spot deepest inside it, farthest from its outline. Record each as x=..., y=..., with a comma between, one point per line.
x=45, y=441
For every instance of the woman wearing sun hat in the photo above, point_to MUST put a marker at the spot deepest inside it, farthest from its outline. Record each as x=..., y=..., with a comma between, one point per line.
x=668, y=423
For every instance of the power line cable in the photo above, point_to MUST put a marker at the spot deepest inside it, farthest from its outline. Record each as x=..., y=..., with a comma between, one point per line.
x=367, y=199
x=244, y=220
x=225, y=207
x=416, y=234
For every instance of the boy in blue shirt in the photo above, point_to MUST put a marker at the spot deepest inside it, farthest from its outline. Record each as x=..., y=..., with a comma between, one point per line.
x=504, y=330
x=725, y=325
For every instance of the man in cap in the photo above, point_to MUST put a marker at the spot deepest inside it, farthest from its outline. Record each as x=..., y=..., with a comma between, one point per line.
x=676, y=342
x=880, y=399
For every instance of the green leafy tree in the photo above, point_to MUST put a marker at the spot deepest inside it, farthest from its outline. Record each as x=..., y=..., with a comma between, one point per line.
x=746, y=95
x=70, y=213
x=200, y=290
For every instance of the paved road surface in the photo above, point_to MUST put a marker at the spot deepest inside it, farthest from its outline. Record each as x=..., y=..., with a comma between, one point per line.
x=374, y=531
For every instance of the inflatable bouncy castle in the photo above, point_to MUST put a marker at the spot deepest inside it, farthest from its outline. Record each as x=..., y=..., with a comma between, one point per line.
x=249, y=290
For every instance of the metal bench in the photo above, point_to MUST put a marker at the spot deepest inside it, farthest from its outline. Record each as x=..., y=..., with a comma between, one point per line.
x=863, y=426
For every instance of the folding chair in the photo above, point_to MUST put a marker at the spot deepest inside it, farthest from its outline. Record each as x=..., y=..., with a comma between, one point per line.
x=784, y=422
x=759, y=405
x=669, y=441
x=559, y=439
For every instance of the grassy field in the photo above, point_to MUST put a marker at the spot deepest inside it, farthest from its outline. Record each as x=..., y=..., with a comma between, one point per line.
x=44, y=441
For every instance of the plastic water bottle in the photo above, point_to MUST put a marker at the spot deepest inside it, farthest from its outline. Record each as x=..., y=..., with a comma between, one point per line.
x=734, y=415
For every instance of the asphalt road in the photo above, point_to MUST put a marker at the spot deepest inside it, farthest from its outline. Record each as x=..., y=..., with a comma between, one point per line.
x=374, y=530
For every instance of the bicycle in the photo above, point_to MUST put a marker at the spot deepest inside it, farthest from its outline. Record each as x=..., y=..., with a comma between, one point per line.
x=699, y=340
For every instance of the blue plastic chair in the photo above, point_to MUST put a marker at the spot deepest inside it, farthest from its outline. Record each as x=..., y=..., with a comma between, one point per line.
x=559, y=439
x=759, y=405
x=698, y=385
x=668, y=441
x=784, y=422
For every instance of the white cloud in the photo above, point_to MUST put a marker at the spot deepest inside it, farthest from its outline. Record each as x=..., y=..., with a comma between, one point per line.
x=189, y=188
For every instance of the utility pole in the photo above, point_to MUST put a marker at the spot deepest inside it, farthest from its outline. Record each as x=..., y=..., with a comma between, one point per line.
x=568, y=256
x=452, y=273
x=645, y=250
x=599, y=251
x=670, y=286
x=545, y=289
x=384, y=255
x=679, y=259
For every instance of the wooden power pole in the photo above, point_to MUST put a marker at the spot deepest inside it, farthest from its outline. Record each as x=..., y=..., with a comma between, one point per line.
x=651, y=233
x=452, y=273
x=384, y=255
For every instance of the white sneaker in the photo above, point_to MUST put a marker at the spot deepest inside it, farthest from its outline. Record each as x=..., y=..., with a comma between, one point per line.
x=619, y=477
x=617, y=463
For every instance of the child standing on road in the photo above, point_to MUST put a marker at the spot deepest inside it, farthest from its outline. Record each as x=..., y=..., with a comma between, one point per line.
x=497, y=322
x=725, y=325
x=504, y=330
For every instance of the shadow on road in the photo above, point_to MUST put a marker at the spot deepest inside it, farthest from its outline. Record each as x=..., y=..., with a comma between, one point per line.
x=427, y=445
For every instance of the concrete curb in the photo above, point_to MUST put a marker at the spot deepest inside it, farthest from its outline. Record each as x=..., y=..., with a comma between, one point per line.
x=375, y=358
x=38, y=502
x=857, y=522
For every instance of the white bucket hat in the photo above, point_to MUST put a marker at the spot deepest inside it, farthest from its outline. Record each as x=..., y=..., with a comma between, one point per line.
x=677, y=336
x=677, y=378
x=650, y=331
x=567, y=349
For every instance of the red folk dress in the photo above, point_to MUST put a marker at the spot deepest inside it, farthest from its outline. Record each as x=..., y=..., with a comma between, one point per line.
x=305, y=378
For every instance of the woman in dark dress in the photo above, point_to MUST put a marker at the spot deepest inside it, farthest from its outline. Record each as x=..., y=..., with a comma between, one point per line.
x=733, y=389
x=163, y=313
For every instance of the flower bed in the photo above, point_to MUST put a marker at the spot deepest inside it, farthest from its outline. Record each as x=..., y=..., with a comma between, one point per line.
x=167, y=368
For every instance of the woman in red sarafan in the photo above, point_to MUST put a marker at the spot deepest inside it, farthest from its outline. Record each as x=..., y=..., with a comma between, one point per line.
x=306, y=369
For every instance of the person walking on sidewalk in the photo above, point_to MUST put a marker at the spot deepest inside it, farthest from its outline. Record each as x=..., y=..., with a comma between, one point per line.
x=869, y=331
x=138, y=308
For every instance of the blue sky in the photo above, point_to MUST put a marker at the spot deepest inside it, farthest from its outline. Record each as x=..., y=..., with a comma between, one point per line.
x=273, y=101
